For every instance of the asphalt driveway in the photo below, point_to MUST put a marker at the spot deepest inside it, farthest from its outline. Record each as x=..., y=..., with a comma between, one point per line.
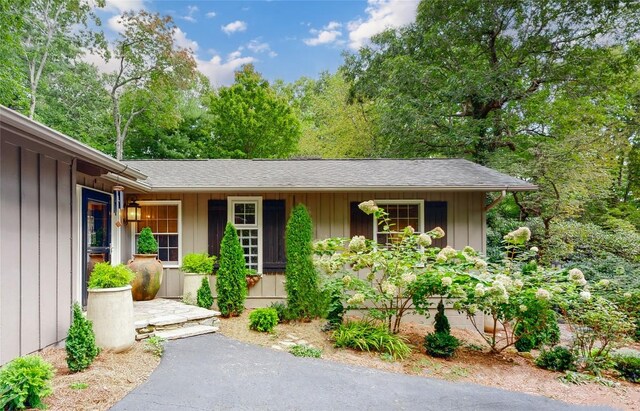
x=213, y=372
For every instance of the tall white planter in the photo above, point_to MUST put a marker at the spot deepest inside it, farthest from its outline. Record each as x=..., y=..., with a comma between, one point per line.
x=111, y=311
x=191, y=284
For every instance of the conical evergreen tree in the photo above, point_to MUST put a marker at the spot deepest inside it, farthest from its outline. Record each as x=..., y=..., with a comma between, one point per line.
x=231, y=280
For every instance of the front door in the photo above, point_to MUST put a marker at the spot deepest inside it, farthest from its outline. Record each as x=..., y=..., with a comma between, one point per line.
x=96, y=233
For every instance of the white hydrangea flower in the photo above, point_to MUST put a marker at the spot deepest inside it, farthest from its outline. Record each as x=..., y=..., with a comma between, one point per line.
x=627, y=295
x=447, y=281
x=437, y=232
x=585, y=295
x=480, y=264
x=357, y=244
x=534, y=249
x=499, y=290
x=408, y=230
x=604, y=282
x=368, y=207
x=518, y=236
x=472, y=309
x=575, y=275
x=517, y=283
x=469, y=250
x=479, y=290
x=424, y=240
x=543, y=294
x=346, y=280
x=441, y=259
x=408, y=277
x=357, y=298
x=523, y=308
x=388, y=288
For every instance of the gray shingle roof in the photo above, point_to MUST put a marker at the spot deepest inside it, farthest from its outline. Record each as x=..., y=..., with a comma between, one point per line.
x=318, y=175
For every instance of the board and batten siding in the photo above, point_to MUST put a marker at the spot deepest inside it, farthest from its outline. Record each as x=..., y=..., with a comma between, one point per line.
x=331, y=215
x=37, y=193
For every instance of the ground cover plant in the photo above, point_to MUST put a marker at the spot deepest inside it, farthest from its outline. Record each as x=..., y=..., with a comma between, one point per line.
x=301, y=350
x=81, y=342
x=369, y=336
x=25, y=382
x=231, y=284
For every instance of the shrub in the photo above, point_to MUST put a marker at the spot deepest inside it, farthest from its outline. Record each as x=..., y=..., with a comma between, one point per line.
x=557, y=359
x=81, y=342
x=204, y=298
x=24, y=383
x=441, y=324
x=300, y=350
x=104, y=275
x=303, y=293
x=231, y=280
x=441, y=344
x=538, y=327
x=263, y=319
x=367, y=336
x=146, y=244
x=198, y=263
x=628, y=367
x=283, y=311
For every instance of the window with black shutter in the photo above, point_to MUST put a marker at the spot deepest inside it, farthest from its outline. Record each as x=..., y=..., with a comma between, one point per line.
x=217, y=222
x=436, y=216
x=274, y=222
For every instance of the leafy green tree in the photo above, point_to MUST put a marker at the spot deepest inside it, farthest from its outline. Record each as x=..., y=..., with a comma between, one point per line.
x=150, y=70
x=81, y=342
x=231, y=279
x=303, y=294
x=250, y=121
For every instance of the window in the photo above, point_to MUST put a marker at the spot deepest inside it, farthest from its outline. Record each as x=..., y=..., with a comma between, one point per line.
x=246, y=215
x=163, y=217
x=402, y=213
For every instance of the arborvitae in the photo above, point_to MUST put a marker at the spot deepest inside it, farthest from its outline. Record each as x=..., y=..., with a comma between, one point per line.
x=147, y=243
x=81, y=342
x=204, y=299
x=303, y=294
x=231, y=281
x=442, y=323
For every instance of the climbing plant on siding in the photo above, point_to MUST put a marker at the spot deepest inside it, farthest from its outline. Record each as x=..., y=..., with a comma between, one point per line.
x=303, y=294
x=231, y=282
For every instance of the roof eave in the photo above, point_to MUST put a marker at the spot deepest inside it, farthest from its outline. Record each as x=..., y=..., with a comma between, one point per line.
x=157, y=189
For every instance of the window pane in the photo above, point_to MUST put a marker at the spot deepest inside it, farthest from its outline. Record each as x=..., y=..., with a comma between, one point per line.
x=163, y=254
x=162, y=212
x=162, y=226
x=162, y=240
x=173, y=254
x=172, y=212
x=172, y=226
x=162, y=219
x=173, y=240
x=250, y=219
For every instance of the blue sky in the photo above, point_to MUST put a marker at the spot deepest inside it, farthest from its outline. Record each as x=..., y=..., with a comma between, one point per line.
x=283, y=39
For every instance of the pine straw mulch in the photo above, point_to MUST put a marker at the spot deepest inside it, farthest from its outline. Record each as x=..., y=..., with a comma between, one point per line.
x=508, y=370
x=108, y=379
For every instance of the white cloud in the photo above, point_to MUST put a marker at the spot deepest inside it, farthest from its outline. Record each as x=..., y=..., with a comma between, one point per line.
x=382, y=14
x=235, y=26
x=180, y=39
x=115, y=23
x=191, y=10
x=120, y=6
x=258, y=46
x=221, y=73
x=327, y=35
x=210, y=14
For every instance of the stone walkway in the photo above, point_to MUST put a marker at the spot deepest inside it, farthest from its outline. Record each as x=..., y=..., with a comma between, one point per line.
x=289, y=342
x=170, y=319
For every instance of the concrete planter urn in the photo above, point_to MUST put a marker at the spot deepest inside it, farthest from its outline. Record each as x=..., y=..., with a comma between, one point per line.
x=191, y=284
x=148, y=270
x=111, y=311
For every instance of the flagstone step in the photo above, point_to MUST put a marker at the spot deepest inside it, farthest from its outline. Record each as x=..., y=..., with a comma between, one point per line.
x=184, y=332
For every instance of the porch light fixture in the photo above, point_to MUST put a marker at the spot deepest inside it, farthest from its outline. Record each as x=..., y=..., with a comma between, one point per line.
x=134, y=212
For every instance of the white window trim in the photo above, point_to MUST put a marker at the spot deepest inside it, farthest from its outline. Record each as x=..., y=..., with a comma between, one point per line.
x=231, y=201
x=382, y=204
x=134, y=227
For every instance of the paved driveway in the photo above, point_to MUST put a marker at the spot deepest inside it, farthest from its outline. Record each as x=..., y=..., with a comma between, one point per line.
x=213, y=372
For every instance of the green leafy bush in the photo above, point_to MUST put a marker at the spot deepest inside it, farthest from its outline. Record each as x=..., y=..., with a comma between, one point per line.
x=628, y=367
x=25, y=382
x=155, y=345
x=198, y=263
x=300, y=350
x=81, y=342
x=147, y=244
x=204, y=298
x=441, y=345
x=263, y=319
x=231, y=280
x=303, y=294
x=104, y=275
x=283, y=311
x=538, y=327
x=557, y=359
x=441, y=324
x=367, y=336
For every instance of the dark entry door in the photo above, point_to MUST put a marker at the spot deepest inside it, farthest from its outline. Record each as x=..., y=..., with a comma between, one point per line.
x=96, y=233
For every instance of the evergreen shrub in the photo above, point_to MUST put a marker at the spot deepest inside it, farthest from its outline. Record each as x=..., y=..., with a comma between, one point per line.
x=231, y=279
x=147, y=244
x=81, y=342
x=263, y=319
x=104, y=275
x=204, y=298
x=557, y=359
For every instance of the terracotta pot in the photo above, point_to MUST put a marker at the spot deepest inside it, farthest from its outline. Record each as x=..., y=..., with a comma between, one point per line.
x=191, y=285
x=253, y=280
x=111, y=311
x=148, y=279
x=94, y=258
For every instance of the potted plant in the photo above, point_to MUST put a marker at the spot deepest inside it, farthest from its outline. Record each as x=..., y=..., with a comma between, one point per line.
x=110, y=306
x=195, y=267
x=252, y=277
x=146, y=266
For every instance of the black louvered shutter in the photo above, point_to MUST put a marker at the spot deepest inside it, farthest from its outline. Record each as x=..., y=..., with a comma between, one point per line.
x=217, y=223
x=273, y=226
x=435, y=215
x=361, y=223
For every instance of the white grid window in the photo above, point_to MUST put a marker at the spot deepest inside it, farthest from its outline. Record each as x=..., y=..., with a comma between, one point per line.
x=246, y=215
x=402, y=213
x=163, y=218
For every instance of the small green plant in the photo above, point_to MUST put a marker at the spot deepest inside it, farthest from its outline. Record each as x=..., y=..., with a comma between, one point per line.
x=441, y=345
x=25, y=382
x=263, y=319
x=557, y=359
x=204, y=298
x=301, y=350
x=78, y=385
x=474, y=347
x=231, y=281
x=198, y=263
x=629, y=367
x=155, y=345
x=81, y=342
x=385, y=356
x=283, y=311
x=577, y=378
x=368, y=336
x=146, y=244
x=441, y=324
x=104, y=275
